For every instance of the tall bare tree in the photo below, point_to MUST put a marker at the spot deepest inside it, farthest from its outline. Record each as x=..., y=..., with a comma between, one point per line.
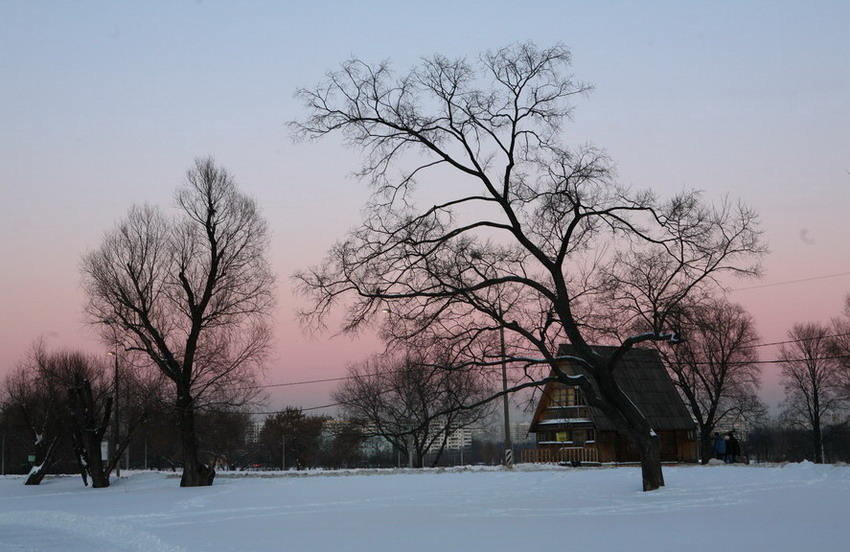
x=513, y=229
x=413, y=402
x=812, y=378
x=840, y=346
x=191, y=292
x=715, y=368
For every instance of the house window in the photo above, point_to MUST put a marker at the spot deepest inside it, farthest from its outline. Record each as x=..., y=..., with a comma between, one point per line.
x=579, y=436
x=552, y=437
x=565, y=396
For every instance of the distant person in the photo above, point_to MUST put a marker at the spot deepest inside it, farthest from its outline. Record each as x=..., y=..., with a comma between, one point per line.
x=733, y=449
x=719, y=447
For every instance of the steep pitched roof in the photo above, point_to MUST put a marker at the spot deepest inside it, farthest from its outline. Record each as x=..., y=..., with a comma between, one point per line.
x=642, y=376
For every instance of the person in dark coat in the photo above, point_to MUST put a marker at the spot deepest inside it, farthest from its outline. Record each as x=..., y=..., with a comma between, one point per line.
x=733, y=448
x=719, y=447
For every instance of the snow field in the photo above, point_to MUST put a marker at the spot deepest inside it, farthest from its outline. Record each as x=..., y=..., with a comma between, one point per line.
x=746, y=508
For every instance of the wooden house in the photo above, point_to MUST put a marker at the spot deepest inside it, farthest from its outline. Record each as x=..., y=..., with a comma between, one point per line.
x=567, y=429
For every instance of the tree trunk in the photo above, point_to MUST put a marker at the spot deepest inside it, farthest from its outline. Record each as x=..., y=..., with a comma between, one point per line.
x=195, y=472
x=88, y=432
x=818, y=439
x=43, y=457
x=650, y=462
x=94, y=467
x=636, y=427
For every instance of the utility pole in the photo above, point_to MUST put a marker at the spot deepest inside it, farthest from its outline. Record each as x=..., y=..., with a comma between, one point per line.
x=283, y=451
x=509, y=450
x=115, y=426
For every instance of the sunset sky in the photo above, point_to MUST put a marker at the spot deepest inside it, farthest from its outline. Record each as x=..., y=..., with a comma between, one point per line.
x=103, y=105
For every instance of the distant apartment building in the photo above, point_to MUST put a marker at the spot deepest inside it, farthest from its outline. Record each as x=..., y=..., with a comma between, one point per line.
x=457, y=440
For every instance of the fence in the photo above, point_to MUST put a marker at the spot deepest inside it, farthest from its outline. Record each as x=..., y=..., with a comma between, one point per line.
x=561, y=455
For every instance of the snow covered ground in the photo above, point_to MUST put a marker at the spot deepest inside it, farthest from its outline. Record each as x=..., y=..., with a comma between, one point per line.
x=798, y=507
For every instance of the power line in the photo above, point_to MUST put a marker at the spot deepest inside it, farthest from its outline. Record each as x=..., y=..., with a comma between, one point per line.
x=306, y=382
x=271, y=412
x=343, y=378
x=794, y=340
x=325, y=406
x=775, y=361
x=800, y=280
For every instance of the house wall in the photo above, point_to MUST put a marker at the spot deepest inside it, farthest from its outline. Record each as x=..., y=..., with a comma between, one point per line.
x=676, y=446
x=612, y=447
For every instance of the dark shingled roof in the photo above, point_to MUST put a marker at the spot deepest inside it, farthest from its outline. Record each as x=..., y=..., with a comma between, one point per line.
x=642, y=376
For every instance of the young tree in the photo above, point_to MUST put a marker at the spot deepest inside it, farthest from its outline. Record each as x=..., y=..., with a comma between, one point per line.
x=812, y=379
x=715, y=366
x=514, y=229
x=192, y=293
x=413, y=403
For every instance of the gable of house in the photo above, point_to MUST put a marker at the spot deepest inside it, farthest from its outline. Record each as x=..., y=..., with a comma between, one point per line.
x=642, y=377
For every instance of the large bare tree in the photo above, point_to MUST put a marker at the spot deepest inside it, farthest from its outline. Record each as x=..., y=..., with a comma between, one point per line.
x=510, y=228
x=413, y=402
x=716, y=367
x=191, y=292
x=812, y=376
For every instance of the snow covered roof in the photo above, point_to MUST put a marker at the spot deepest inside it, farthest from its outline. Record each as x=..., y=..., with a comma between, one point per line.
x=559, y=421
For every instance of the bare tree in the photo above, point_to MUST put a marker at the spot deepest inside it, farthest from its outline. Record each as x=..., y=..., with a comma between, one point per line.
x=293, y=436
x=840, y=346
x=39, y=405
x=716, y=368
x=413, y=403
x=513, y=230
x=65, y=398
x=192, y=293
x=812, y=379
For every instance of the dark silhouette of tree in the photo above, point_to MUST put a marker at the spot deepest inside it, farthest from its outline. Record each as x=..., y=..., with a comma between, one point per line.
x=413, y=402
x=482, y=219
x=37, y=405
x=65, y=399
x=89, y=424
x=294, y=435
x=839, y=347
x=191, y=293
x=715, y=367
x=223, y=433
x=812, y=379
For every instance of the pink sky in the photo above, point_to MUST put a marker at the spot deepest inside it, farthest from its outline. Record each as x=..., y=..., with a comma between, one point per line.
x=103, y=106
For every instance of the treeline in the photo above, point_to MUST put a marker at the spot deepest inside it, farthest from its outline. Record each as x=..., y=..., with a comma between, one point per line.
x=65, y=412
x=778, y=443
